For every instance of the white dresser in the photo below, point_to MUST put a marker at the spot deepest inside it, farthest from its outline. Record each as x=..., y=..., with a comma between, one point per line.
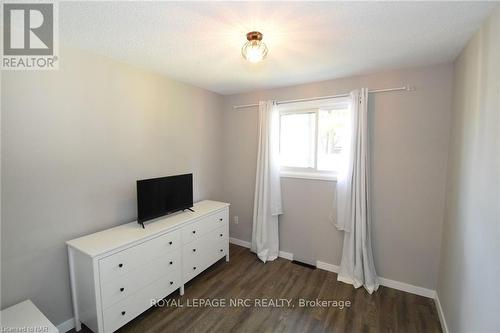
x=116, y=273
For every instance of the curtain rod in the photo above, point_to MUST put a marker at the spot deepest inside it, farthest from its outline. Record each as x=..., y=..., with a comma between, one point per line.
x=404, y=88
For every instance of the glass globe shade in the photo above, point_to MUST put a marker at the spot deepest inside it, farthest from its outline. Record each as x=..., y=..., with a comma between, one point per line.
x=254, y=51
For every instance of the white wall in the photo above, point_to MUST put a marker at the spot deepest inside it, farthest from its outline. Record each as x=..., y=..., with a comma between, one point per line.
x=468, y=288
x=410, y=132
x=74, y=142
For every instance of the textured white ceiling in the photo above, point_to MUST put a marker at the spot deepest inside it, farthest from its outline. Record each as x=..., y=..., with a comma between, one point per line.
x=200, y=42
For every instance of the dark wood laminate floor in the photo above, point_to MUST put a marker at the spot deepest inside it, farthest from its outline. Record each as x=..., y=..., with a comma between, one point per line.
x=387, y=310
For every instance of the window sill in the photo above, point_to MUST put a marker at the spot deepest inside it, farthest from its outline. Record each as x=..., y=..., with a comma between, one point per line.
x=309, y=175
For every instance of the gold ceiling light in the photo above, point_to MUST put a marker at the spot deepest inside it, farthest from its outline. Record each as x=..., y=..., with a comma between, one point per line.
x=254, y=50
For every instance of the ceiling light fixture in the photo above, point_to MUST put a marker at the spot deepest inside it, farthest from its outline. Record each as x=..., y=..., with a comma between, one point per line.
x=254, y=50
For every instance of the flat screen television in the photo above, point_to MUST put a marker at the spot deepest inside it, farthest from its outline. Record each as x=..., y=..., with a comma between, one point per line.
x=161, y=196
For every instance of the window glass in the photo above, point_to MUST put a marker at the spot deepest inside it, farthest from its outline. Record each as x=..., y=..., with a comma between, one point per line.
x=314, y=136
x=297, y=139
x=332, y=137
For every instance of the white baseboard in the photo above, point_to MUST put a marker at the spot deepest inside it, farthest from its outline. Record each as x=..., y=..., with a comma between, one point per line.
x=409, y=288
x=236, y=241
x=327, y=267
x=286, y=255
x=66, y=326
x=239, y=242
x=442, y=320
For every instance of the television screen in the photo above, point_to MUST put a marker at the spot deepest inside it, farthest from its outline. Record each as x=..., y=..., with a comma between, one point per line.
x=160, y=196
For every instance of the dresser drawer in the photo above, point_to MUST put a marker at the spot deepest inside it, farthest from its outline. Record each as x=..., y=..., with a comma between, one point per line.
x=191, y=232
x=122, y=312
x=115, y=290
x=218, y=250
x=193, y=252
x=200, y=254
x=217, y=235
x=203, y=226
x=127, y=260
x=194, y=257
x=218, y=244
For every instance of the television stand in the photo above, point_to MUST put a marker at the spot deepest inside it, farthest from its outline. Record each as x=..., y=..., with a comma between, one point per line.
x=158, y=261
x=190, y=209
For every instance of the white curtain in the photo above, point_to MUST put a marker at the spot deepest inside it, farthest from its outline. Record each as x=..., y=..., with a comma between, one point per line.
x=353, y=201
x=267, y=202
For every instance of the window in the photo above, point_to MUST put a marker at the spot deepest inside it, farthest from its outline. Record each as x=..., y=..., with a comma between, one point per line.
x=312, y=137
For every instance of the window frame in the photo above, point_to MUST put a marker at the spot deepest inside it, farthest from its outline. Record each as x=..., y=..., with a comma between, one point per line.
x=337, y=103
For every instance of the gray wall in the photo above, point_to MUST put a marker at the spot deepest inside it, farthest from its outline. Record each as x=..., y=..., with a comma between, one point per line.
x=410, y=134
x=75, y=140
x=73, y=143
x=469, y=277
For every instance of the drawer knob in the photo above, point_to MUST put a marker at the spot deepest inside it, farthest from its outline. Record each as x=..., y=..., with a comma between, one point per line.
x=194, y=267
x=170, y=243
x=221, y=235
x=194, y=231
x=120, y=265
x=220, y=220
x=221, y=250
x=194, y=250
x=123, y=313
x=122, y=289
x=171, y=282
x=171, y=262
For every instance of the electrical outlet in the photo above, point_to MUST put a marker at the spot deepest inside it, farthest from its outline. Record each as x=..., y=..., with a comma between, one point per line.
x=236, y=219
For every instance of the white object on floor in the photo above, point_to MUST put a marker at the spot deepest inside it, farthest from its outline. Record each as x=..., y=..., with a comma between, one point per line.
x=25, y=317
x=267, y=202
x=117, y=274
